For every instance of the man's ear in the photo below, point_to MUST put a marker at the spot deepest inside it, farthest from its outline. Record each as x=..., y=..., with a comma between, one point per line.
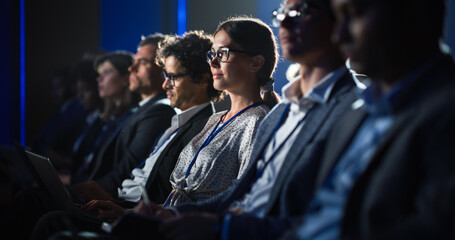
x=256, y=63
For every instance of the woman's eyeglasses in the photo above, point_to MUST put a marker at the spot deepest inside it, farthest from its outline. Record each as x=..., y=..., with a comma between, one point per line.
x=222, y=54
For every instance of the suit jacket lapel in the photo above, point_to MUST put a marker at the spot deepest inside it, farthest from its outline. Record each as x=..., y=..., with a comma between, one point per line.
x=208, y=110
x=158, y=162
x=308, y=131
x=150, y=103
x=341, y=138
x=266, y=130
x=99, y=158
x=400, y=121
x=317, y=117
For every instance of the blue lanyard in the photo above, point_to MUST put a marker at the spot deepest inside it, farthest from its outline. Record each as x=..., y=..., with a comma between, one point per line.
x=141, y=164
x=215, y=132
x=275, y=130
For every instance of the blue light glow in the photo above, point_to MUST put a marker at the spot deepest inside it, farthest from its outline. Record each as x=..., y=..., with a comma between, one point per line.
x=181, y=17
x=22, y=72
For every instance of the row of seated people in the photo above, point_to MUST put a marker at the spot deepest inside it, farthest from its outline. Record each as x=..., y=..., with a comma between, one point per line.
x=325, y=163
x=117, y=137
x=224, y=152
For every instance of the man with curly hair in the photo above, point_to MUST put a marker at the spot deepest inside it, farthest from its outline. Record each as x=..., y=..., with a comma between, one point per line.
x=189, y=86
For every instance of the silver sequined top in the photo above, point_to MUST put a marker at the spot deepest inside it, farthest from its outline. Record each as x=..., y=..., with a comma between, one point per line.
x=220, y=162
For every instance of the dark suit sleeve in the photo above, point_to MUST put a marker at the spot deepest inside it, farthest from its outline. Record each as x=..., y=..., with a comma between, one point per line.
x=246, y=226
x=243, y=226
x=134, y=147
x=434, y=214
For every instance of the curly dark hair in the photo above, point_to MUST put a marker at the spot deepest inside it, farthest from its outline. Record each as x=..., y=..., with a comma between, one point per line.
x=190, y=49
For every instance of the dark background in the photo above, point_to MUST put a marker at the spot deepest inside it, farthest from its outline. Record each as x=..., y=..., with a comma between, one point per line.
x=59, y=32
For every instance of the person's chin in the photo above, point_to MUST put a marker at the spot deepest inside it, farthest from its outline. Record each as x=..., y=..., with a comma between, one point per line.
x=291, y=56
x=133, y=87
x=174, y=104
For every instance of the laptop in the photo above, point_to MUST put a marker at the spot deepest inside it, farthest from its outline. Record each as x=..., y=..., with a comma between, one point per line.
x=47, y=178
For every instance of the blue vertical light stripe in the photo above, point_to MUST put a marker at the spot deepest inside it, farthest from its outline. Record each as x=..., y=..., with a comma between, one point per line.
x=22, y=72
x=181, y=17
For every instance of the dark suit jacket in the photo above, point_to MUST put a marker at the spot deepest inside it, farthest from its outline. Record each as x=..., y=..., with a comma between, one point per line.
x=132, y=144
x=291, y=192
x=101, y=135
x=63, y=129
x=87, y=144
x=408, y=189
x=158, y=185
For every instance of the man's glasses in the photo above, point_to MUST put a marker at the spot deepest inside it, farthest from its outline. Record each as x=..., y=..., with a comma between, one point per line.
x=172, y=77
x=222, y=54
x=294, y=13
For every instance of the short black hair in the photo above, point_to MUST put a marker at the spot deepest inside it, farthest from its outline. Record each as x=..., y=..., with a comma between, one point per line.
x=152, y=39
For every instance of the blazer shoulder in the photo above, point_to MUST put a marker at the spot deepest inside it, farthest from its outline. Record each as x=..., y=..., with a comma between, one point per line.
x=161, y=110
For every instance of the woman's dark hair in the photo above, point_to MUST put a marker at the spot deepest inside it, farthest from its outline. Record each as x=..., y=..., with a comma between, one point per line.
x=190, y=49
x=121, y=60
x=84, y=72
x=256, y=37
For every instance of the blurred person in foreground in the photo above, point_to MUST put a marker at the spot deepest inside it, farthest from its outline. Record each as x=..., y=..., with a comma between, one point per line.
x=388, y=171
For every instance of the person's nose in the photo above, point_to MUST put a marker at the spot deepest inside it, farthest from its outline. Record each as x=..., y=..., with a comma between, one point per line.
x=166, y=84
x=132, y=68
x=214, y=63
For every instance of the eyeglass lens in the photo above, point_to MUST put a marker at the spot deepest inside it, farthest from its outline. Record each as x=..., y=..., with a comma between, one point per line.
x=293, y=12
x=221, y=55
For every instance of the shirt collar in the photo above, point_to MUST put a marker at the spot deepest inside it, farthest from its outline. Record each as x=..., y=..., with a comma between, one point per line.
x=144, y=101
x=378, y=103
x=319, y=93
x=183, y=117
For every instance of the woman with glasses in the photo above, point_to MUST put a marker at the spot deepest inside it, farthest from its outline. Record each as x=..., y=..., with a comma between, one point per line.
x=242, y=59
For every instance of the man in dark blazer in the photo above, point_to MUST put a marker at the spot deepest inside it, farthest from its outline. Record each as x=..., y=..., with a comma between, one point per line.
x=388, y=170
x=127, y=147
x=189, y=87
x=193, y=97
x=133, y=142
x=289, y=141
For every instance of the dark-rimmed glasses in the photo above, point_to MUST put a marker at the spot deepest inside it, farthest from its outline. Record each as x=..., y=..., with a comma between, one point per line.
x=172, y=77
x=278, y=15
x=222, y=54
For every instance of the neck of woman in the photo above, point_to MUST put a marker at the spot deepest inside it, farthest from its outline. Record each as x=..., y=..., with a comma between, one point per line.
x=117, y=102
x=241, y=101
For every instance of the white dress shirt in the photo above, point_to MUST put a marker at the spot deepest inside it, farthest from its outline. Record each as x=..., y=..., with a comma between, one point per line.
x=130, y=190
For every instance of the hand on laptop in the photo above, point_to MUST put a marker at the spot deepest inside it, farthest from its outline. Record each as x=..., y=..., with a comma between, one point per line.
x=107, y=211
x=84, y=192
x=153, y=209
